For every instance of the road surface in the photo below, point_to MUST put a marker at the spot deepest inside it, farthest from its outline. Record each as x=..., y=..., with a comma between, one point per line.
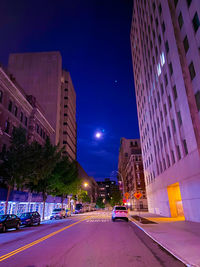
x=89, y=240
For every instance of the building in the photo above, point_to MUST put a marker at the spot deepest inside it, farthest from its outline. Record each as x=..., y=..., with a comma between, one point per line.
x=165, y=41
x=18, y=109
x=92, y=186
x=131, y=172
x=41, y=75
x=107, y=188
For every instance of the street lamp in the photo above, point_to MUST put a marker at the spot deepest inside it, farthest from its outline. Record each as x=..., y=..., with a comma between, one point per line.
x=85, y=184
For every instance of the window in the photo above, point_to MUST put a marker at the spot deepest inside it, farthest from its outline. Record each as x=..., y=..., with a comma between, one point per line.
x=65, y=132
x=64, y=142
x=65, y=114
x=179, y=118
x=159, y=39
x=156, y=22
x=163, y=27
x=192, y=71
x=166, y=80
x=180, y=20
x=65, y=123
x=168, y=161
x=173, y=157
x=66, y=89
x=168, y=132
x=162, y=89
x=66, y=97
x=37, y=128
x=15, y=111
x=196, y=22
x=160, y=9
x=26, y=121
x=169, y=100
x=185, y=146
x=164, y=138
x=65, y=106
x=21, y=116
x=1, y=96
x=173, y=126
x=154, y=6
x=7, y=126
x=186, y=44
x=41, y=132
x=165, y=109
x=10, y=106
x=178, y=152
x=189, y=2
x=170, y=68
x=175, y=2
x=167, y=47
x=197, y=98
x=175, y=92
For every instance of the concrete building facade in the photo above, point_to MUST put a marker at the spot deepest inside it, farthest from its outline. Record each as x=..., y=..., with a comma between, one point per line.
x=41, y=75
x=165, y=41
x=131, y=172
x=18, y=109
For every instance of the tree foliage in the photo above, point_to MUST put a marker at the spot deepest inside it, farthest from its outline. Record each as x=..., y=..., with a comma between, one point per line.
x=40, y=169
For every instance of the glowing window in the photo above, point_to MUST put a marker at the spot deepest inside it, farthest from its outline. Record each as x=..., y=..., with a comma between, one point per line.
x=158, y=69
x=162, y=59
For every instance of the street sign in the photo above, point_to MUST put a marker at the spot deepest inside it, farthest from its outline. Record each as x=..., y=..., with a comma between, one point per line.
x=138, y=195
x=126, y=195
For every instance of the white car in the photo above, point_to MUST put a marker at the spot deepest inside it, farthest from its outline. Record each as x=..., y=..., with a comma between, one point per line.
x=58, y=214
x=119, y=212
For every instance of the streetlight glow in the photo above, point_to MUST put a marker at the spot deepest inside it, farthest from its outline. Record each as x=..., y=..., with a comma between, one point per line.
x=85, y=184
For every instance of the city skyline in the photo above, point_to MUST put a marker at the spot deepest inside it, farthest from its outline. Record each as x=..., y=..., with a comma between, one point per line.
x=101, y=68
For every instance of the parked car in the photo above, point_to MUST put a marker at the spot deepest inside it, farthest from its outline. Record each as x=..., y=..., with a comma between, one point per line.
x=30, y=218
x=79, y=208
x=68, y=212
x=119, y=212
x=9, y=221
x=58, y=214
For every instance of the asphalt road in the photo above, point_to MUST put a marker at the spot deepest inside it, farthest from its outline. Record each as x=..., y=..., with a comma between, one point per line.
x=89, y=240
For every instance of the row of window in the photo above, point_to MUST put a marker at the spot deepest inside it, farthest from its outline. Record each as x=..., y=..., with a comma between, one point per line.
x=14, y=109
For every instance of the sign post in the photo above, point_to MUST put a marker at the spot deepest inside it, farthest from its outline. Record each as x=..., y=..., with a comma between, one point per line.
x=138, y=195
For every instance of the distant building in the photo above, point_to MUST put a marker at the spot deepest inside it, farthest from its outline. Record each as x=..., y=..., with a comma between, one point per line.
x=92, y=186
x=18, y=109
x=165, y=42
x=41, y=75
x=107, y=188
x=131, y=172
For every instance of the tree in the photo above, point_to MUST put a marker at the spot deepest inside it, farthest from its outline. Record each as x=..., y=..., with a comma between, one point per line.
x=41, y=176
x=116, y=198
x=13, y=168
x=83, y=197
x=100, y=203
x=64, y=178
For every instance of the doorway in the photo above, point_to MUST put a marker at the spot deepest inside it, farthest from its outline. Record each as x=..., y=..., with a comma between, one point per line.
x=175, y=200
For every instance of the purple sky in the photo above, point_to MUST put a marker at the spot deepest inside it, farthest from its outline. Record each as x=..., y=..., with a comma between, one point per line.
x=93, y=38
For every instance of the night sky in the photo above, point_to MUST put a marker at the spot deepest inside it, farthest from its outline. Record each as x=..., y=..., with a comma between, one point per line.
x=93, y=38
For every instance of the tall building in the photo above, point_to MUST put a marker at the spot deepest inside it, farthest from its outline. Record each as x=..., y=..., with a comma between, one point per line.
x=165, y=42
x=131, y=172
x=18, y=109
x=107, y=188
x=41, y=75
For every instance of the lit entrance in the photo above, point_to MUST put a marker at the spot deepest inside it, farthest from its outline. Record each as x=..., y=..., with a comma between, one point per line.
x=175, y=200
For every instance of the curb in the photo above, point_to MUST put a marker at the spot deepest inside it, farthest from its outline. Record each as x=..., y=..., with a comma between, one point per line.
x=160, y=244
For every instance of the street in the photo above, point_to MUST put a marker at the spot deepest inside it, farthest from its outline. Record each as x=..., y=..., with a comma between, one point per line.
x=90, y=239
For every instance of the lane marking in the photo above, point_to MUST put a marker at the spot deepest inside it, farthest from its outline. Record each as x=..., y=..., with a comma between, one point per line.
x=12, y=253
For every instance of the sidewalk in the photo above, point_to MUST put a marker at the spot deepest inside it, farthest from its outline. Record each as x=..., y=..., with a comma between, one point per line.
x=179, y=237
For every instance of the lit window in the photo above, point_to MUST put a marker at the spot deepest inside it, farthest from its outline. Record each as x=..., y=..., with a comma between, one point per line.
x=162, y=59
x=158, y=69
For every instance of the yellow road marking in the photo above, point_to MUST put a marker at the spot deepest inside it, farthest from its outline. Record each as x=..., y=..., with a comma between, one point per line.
x=12, y=253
